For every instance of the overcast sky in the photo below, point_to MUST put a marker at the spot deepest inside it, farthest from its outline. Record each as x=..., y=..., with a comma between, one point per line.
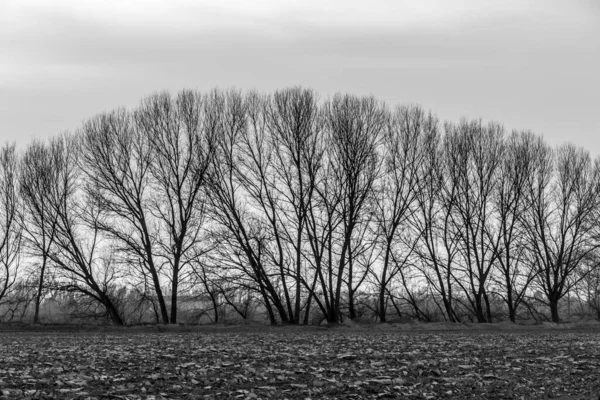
x=530, y=64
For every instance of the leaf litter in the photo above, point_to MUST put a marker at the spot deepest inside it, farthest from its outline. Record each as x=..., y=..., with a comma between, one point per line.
x=299, y=364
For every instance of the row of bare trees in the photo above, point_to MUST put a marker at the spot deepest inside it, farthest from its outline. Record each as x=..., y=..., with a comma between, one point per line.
x=305, y=203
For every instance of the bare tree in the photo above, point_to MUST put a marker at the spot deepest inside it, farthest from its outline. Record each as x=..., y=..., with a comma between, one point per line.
x=312, y=209
x=242, y=202
x=38, y=173
x=510, y=203
x=293, y=126
x=81, y=257
x=438, y=243
x=10, y=226
x=322, y=226
x=398, y=188
x=354, y=128
x=181, y=133
x=563, y=194
x=116, y=158
x=473, y=158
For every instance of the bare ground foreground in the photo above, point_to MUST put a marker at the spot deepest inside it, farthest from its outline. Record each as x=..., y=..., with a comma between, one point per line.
x=421, y=361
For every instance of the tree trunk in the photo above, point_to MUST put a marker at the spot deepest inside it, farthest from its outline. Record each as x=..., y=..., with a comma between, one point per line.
x=306, y=320
x=446, y=297
x=351, y=309
x=174, y=289
x=512, y=313
x=311, y=293
x=337, y=312
x=161, y=302
x=333, y=314
x=296, y=316
x=265, y=296
x=159, y=295
x=279, y=306
x=112, y=311
x=272, y=319
x=554, y=310
x=488, y=309
x=38, y=297
x=382, y=305
x=479, y=308
x=213, y=299
x=156, y=316
x=152, y=269
x=449, y=311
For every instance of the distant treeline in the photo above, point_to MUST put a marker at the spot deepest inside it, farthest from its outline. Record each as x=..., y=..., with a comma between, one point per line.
x=304, y=208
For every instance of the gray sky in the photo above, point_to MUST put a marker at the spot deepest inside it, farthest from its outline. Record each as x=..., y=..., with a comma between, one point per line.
x=530, y=64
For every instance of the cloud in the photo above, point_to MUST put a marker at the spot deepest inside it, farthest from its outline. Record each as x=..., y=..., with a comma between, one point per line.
x=113, y=34
x=65, y=60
